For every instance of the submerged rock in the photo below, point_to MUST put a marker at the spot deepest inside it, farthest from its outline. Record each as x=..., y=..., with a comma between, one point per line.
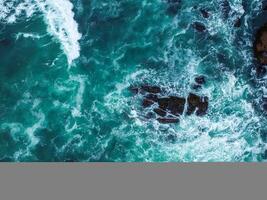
x=222, y=58
x=264, y=103
x=196, y=86
x=237, y=23
x=134, y=90
x=152, y=97
x=226, y=8
x=174, y=6
x=5, y=42
x=200, y=80
x=260, y=45
x=145, y=89
x=151, y=89
x=204, y=13
x=260, y=70
x=168, y=120
x=199, y=27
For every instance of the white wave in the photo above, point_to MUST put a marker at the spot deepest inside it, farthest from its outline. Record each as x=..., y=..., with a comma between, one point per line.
x=58, y=15
x=61, y=24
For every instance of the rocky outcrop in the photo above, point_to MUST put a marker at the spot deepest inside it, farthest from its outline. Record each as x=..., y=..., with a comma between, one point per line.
x=167, y=109
x=260, y=45
x=197, y=104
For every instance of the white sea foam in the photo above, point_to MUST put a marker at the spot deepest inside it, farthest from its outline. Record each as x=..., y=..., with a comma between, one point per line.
x=28, y=35
x=12, y=10
x=59, y=17
x=76, y=111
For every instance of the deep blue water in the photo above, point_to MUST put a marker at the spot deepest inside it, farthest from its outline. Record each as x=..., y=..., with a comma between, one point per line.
x=66, y=66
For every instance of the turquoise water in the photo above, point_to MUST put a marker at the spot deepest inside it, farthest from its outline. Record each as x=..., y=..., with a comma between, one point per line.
x=66, y=66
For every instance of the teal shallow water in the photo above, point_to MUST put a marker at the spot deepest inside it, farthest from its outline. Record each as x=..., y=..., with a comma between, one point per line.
x=66, y=66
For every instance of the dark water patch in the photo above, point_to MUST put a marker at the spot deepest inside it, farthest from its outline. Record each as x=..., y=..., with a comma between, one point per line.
x=173, y=6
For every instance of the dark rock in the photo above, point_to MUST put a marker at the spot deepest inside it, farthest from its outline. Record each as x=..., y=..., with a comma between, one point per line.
x=172, y=104
x=260, y=45
x=200, y=80
x=237, y=23
x=149, y=100
x=199, y=27
x=152, y=97
x=196, y=86
x=160, y=112
x=163, y=103
x=150, y=115
x=203, y=106
x=264, y=106
x=176, y=105
x=204, y=13
x=197, y=103
x=174, y=6
x=192, y=101
x=147, y=103
x=151, y=89
x=168, y=108
x=168, y=120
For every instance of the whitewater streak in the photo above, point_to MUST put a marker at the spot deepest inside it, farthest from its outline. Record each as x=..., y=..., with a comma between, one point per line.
x=58, y=15
x=62, y=25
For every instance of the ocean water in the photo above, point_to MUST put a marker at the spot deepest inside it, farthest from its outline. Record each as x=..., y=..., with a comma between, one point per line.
x=66, y=66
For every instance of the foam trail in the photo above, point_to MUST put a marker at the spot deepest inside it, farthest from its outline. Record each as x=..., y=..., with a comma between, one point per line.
x=27, y=35
x=59, y=17
x=76, y=112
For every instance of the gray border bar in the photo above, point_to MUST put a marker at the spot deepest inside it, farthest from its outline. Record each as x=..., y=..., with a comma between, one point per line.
x=125, y=181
